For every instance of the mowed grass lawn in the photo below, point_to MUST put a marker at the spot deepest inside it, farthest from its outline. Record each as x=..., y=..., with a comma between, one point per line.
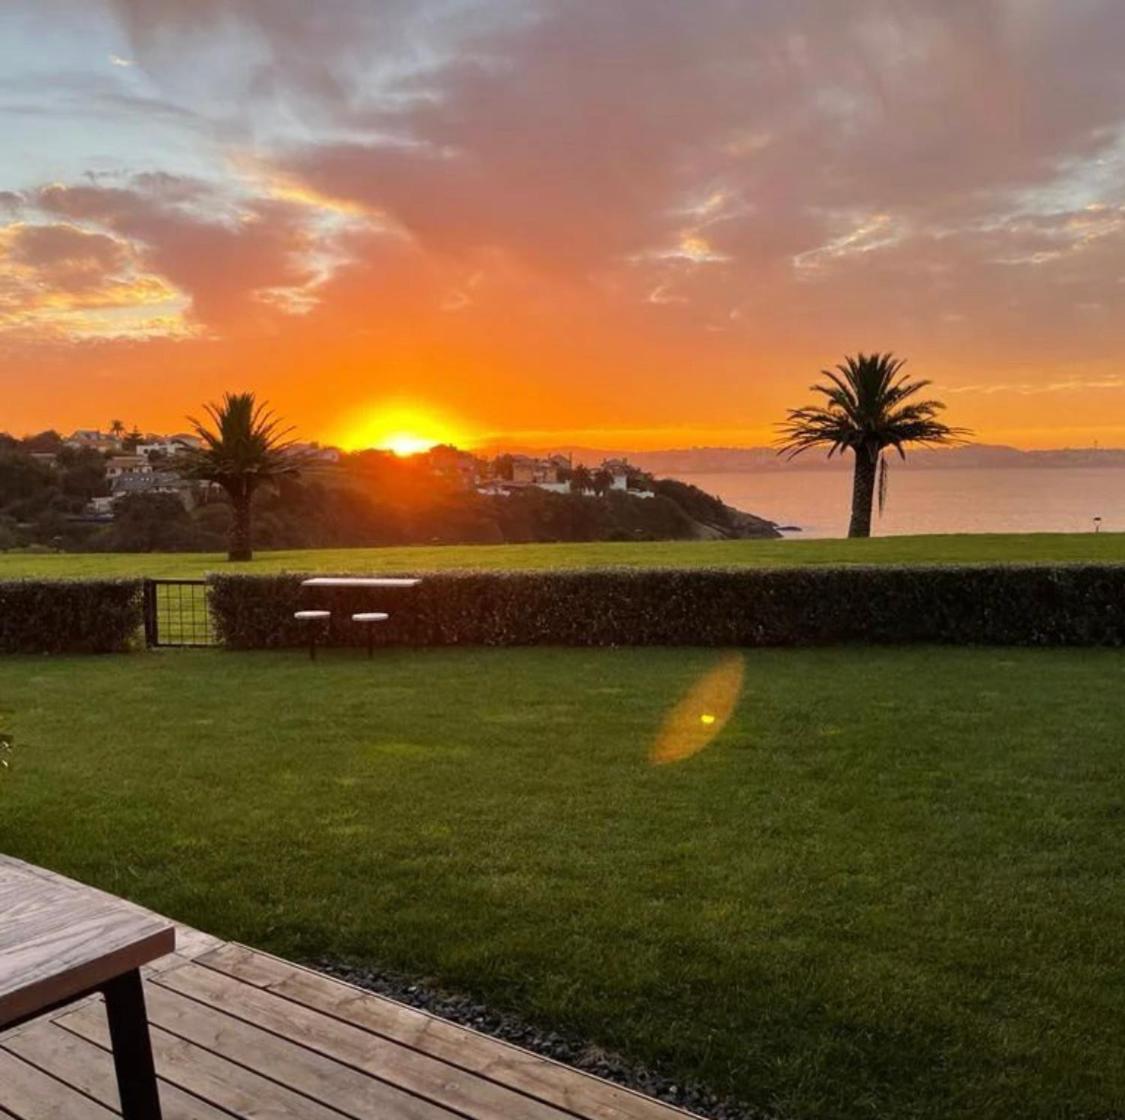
x=893, y=885
x=1035, y=548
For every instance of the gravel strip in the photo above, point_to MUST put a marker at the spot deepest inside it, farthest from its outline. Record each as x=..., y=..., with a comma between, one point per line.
x=562, y=1048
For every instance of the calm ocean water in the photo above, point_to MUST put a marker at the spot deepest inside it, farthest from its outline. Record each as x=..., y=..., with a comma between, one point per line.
x=994, y=500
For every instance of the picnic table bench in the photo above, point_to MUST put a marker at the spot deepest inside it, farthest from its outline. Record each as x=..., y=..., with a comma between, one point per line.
x=61, y=941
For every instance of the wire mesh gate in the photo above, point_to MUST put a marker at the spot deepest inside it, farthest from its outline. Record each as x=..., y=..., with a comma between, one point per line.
x=177, y=612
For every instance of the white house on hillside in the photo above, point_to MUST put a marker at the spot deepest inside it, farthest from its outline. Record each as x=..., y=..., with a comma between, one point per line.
x=120, y=465
x=168, y=446
x=92, y=439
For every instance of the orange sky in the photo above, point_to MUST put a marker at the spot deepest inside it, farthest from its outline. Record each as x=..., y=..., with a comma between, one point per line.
x=633, y=225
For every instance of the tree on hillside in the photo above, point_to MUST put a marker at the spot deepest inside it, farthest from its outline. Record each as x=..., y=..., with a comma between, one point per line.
x=116, y=429
x=151, y=522
x=870, y=407
x=602, y=482
x=81, y=473
x=48, y=442
x=580, y=479
x=245, y=448
x=24, y=480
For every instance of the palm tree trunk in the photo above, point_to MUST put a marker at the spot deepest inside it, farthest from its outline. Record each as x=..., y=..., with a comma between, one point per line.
x=239, y=547
x=863, y=491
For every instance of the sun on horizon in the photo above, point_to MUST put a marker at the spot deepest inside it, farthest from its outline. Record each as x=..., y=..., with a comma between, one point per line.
x=404, y=444
x=403, y=429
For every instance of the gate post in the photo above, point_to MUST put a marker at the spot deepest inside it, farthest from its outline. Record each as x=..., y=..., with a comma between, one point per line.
x=148, y=598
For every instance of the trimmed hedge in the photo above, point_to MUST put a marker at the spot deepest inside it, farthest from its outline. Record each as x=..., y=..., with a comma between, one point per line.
x=1003, y=605
x=69, y=616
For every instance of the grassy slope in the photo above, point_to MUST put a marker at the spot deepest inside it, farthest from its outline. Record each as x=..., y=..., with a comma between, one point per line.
x=892, y=887
x=965, y=548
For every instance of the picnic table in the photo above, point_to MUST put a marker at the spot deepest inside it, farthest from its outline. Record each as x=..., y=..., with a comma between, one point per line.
x=60, y=941
x=359, y=581
x=321, y=619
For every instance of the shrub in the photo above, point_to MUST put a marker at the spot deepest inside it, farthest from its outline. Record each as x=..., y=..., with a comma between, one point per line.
x=69, y=616
x=1012, y=605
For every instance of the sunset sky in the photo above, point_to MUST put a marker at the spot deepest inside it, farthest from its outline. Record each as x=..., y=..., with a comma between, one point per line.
x=616, y=223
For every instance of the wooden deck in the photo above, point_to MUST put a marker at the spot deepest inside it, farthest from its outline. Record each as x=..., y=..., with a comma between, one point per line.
x=238, y=1033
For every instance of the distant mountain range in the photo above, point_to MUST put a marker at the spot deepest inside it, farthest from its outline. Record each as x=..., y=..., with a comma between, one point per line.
x=715, y=460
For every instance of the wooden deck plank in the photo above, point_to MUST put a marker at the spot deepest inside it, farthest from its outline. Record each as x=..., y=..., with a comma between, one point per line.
x=472, y=1096
x=324, y=1079
x=533, y=1074
x=31, y=1094
x=207, y=1075
x=89, y=1069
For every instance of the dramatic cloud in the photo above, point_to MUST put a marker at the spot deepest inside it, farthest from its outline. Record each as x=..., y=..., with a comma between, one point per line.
x=58, y=277
x=231, y=257
x=556, y=208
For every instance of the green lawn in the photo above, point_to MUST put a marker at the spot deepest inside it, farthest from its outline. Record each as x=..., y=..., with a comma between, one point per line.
x=1040, y=548
x=892, y=886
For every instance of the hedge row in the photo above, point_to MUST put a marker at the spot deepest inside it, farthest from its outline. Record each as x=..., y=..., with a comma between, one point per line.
x=1010, y=605
x=69, y=616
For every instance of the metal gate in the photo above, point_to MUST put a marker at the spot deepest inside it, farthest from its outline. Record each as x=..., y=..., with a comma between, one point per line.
x=178, y=613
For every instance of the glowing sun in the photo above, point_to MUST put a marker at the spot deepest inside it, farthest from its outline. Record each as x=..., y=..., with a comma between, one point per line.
x=404, y=429
x=406, y=443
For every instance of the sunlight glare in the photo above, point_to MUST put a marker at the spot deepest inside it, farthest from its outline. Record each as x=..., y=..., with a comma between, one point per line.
x=701, y=713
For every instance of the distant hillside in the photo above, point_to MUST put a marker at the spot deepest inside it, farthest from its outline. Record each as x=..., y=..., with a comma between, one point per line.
x=715, y=460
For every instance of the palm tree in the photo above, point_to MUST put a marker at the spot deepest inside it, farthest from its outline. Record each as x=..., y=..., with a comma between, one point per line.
x=116, y=429
x=870, y=408
x=580, y=479
x=244, y=450
x=602, y=482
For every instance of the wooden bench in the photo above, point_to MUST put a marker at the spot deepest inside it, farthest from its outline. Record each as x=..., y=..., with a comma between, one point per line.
x=61, y=941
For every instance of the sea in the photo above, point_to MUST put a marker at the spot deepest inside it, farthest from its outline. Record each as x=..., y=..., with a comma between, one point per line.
x=936, y=500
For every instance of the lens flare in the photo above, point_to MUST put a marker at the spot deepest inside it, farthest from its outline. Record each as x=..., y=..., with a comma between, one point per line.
x=701, y=713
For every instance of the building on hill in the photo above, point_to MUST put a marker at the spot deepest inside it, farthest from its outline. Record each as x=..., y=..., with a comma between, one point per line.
x=118, y=466
x=155, y=482
x=462, y=468
x=548, y=474
x=312, y=452
x=167, y=447
x=101, y=506
x=619, y=470
x=553, y=473
x=93, y=440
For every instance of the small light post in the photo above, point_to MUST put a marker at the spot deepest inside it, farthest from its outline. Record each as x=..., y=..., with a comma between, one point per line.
x=1097, y=524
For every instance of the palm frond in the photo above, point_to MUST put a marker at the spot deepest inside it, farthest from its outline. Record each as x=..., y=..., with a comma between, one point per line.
x=243, y=442
x=867, y=402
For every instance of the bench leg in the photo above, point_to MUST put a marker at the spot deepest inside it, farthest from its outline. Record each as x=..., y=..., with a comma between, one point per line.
x=132, y=1047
